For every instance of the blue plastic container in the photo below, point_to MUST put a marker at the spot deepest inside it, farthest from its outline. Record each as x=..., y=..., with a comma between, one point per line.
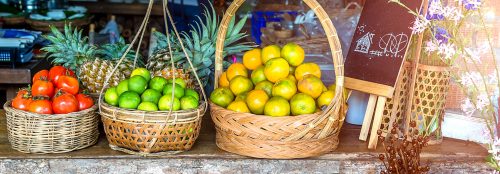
x=260, y=18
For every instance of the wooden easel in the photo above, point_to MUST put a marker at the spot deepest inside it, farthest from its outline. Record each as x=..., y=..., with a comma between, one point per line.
x=375, y=107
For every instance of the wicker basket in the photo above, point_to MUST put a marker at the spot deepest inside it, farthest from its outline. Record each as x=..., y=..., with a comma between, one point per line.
x=39, y=133
x=150, y=133
x=429, y=99
x=43, y=25
x=281, y=137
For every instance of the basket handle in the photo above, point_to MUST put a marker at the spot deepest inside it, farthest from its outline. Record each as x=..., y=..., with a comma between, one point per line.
x=337, y=105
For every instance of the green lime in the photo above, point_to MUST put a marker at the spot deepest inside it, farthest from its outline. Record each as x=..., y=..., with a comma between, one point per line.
x=191, y=92
x=167, y=101
x=122, y=87
x=137, y=84
x=129, y=100
x=178, y=90
x=189, y=102
x=157, y=83
x=178, y=81
x=141, y=72
x=147, y=106
x=111, y=96
x=150, y=95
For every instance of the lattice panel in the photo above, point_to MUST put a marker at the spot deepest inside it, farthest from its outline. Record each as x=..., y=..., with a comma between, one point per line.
x=398, y=100
x=431, y=87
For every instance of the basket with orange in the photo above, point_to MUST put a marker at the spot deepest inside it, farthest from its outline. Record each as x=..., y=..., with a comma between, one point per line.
x=273, y=104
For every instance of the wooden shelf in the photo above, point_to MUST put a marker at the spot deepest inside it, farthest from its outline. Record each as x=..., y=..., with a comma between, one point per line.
x=350, y=156
x=120, y=8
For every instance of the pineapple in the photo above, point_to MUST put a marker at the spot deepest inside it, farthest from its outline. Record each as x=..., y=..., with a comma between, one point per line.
x=160, y=65
x=200, y=47
x=74, y=52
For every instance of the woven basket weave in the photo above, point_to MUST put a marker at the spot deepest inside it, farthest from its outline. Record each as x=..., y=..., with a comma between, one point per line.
x=151, y=133
x=281, y=137
x=40, y=133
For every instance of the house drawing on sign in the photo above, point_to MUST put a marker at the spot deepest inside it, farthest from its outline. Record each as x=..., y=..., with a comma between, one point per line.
x=363, y=44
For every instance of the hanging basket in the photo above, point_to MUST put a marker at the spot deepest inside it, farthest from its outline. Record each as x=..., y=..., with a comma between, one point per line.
x=281, y=137
x=142, y=133
x=152, y=133
x=41, y=133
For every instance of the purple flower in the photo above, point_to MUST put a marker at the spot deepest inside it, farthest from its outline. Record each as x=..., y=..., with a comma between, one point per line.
x=435, y=11
x=471, y=4
x=441, y=35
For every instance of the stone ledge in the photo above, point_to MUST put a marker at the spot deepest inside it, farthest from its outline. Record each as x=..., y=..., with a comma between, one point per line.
x=352, y=156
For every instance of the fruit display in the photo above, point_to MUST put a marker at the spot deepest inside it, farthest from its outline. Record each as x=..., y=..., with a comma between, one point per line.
x=92, y=64
x=54, y=91
x=279, y=84
x=199, y=44
x=146, y=93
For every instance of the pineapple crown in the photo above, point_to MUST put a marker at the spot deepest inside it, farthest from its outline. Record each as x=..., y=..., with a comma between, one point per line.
x=200, y=42
x=69, y=49
x=115, y=52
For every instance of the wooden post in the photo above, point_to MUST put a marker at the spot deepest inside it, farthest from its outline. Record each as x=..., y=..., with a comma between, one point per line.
x=377, y=120
x=414, y=73
x=365, y=128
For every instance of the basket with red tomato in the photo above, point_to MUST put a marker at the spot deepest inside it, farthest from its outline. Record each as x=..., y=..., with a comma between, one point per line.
x=52, y=115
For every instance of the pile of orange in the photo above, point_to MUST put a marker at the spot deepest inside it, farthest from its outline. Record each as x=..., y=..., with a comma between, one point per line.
x=279, y=84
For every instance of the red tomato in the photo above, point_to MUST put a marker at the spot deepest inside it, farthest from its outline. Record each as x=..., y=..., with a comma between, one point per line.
x=84, y=101
x=42, y=106
x=24, y=92
x=43, y=74
x=42, y=88
x=57, y=71
x=68, y=84
x=64, y=103
x=22, y=100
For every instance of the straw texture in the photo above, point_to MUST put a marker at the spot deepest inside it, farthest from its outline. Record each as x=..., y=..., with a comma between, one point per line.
x=431, y=87
x=281, y=137
x=394, y=107
x=144, y=133
x=41, y=133
x=153, y=133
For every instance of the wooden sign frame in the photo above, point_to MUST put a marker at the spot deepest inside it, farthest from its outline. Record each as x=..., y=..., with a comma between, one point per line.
x=379, y=92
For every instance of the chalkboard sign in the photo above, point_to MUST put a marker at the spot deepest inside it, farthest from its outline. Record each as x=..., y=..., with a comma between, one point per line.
x=379, y=46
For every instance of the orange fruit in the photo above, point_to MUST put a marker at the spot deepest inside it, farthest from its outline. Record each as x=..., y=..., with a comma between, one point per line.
x=258, y=75
x=252, y=59
x=332, y=88
x=238, y=106
x=241, y=97
x=311, y=85
x=240, y=84
x=325, y=98
x=269, y=52
x=285, y=88
x=222, y=97
x=302, y=104
x=256, y=100
x=223, y=82
x=276, y=69
x=291, y=77
x=277, y=107
x=265, y=85
x=293, y=54
x=236, y=69
x=307, y=68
